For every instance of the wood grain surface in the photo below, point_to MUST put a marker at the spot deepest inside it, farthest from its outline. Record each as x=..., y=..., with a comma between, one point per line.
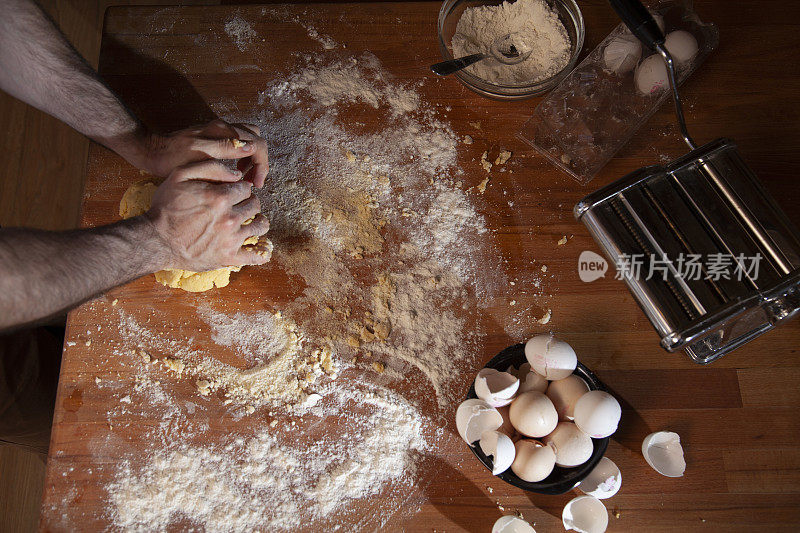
x=737, y=418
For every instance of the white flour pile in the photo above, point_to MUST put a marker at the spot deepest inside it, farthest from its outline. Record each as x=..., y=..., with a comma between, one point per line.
x=391, y=258
x=264, y=484
x=531, y=26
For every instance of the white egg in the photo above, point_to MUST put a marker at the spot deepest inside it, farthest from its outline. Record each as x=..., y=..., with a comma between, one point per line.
x=475, y=416
x=533, y=461
x=512, y=524
x=495, y=388
x=585, y=514
x=597, y=414
x=682, y=46
x=622, y=54
x=500, y=448
x=651, y=75
x=663, y=451
x=572, y=446
x=533, y=414
x=550, y=357
x=603, y=481
x=564, y=393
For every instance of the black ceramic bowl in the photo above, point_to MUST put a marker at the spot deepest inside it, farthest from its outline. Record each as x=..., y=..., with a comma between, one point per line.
x=560, y=479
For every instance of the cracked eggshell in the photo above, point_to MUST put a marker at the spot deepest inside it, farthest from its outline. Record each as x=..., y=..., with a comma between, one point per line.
x=496, y=388
x=475, y=416
x=585, y=514
x=602, y=482
x=500, y=447
x=550, y=357
x=512, y=524
x=532, y=381
x=572, y=446
x=520, y=372
x=663, y=451
x=564, y=393
x=532, y=414
x=533, y=461
x=597, y=414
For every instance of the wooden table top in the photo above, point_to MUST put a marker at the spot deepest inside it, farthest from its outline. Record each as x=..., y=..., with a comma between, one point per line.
x=738, y=418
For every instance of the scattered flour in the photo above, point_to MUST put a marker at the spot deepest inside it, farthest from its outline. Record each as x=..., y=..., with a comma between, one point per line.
x=240, y=32
x=392, y=258
x=262, y=483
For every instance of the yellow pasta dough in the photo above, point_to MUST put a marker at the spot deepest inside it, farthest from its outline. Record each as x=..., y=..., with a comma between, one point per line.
x=137, y=200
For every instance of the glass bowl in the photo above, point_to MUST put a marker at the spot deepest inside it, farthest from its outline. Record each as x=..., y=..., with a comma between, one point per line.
x=561, y=479
x=568, y=12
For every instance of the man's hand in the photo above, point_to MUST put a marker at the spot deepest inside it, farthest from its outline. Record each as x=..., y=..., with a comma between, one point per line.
x=199, y=212
x=217, y=140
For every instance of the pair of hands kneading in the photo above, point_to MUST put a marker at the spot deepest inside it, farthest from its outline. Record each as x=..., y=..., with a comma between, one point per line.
x=205, y=216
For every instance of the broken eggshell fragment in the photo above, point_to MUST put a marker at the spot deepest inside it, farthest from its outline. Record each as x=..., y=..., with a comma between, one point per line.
x=474, y=417
x=602, y=482
x=496, y=388
x=585, y=514
x=500, y=447
x=550, y=357
x=512, y=524
x=663, y=451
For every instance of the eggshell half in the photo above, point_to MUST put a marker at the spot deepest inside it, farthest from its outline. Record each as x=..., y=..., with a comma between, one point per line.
x=533, y=461
x=585, y=514
x=602, y=482
x=496, y=388
x=512, y=524
x=473, y=417
x=500, y=448
x=663, y=451
x=550, y=357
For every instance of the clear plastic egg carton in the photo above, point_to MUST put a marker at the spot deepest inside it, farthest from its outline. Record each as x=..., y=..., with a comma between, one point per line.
x=594, y=111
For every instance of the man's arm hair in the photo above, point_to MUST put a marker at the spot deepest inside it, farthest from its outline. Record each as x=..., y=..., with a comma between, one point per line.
x=39, y=66
x=44, y=273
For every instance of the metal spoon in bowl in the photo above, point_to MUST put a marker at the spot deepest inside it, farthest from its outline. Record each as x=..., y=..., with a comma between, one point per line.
x=504, y=50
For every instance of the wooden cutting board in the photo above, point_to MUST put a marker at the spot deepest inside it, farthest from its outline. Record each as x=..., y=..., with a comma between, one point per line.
x=737, y=418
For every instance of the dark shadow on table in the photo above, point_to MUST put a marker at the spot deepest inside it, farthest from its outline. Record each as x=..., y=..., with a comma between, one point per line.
x=632, y=427
x=454, y=495
x=160, y=96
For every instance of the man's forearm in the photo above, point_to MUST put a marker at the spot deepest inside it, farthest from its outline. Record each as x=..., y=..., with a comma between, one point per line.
x=45, y=273
x=39, y=66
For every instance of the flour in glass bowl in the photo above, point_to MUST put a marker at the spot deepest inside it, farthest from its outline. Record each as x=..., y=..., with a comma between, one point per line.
x=532, y=26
